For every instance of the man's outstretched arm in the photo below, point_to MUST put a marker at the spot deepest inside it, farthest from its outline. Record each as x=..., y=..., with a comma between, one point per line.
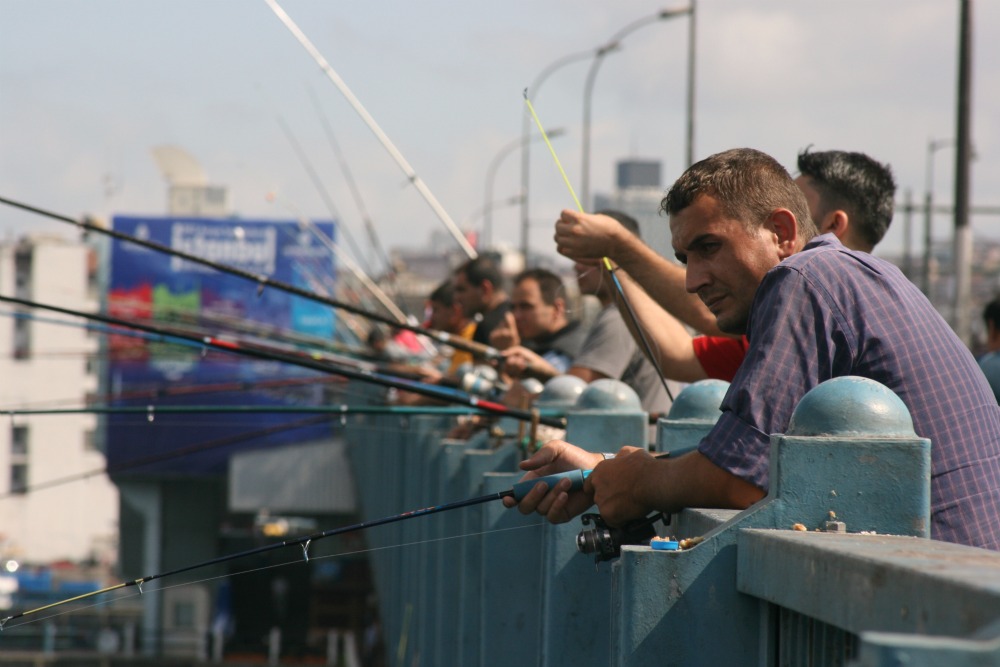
x=583, y=236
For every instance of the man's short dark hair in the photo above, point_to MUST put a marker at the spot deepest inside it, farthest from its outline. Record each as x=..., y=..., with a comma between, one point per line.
x=748, y=184
x=854, y=183
x=549, y=284
x=444, y=294
x=624, y=219
x=481, y=269
x=991, y=313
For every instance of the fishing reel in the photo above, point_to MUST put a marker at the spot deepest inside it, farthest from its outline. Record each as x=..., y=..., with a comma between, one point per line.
x=606, y=542
x=481, y=380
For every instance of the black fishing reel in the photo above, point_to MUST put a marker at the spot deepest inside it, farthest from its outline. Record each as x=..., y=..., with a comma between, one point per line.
x=481, y=380
x=606, y=542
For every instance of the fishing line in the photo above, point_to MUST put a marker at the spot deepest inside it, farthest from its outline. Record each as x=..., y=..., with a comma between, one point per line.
x=4, y=624
x=518, y=491
x=263, y=281
x=320, y=188
x=607, y=263
x=373, y=126
x=311, y=362
x=145, y=413
x=171, y=455
x=352, y=186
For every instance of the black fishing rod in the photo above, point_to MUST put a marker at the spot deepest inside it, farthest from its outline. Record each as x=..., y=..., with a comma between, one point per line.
x=443, y=337
x=305, y=360
x=189, y=327
x=518, y=491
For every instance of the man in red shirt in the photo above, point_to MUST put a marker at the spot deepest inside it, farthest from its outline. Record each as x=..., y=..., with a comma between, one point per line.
x=848, y=193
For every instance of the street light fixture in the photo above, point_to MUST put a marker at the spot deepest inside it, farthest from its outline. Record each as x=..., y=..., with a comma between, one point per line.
x=611, y=45
x=521, y=142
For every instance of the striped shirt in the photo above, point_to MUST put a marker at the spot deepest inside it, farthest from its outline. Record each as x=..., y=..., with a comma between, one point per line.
x=828, y=312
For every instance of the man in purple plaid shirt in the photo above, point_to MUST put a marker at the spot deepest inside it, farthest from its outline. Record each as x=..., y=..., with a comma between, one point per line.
x=812, y=310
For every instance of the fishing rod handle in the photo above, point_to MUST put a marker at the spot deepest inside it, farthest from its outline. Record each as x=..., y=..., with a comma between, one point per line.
x=521, y=489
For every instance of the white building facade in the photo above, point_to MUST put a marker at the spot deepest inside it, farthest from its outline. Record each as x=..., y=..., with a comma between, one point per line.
x=44, y=517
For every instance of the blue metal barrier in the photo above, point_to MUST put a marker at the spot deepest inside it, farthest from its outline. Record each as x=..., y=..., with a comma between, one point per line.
x=485, y=585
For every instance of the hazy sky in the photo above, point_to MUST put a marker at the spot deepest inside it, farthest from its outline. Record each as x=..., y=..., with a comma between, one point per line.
x=87, y=88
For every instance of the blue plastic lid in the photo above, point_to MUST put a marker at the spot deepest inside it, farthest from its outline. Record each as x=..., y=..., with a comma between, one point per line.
x=664, y=545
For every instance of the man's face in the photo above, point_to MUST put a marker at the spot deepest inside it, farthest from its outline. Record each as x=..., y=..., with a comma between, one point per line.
x=444, y=317
x=589, y=275
x=468, y=295
x=533, y=316
x=725, y=260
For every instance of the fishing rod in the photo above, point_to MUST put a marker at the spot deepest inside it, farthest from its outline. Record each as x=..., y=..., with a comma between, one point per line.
x=345, y=169
x=116, y=330
x=308, y=361
x=606, y=263
x=374, y=127
x=344, y=257
x=317, y=182
x=342, y=410
x=477, y=349
x=376, y=291
x=518, y=491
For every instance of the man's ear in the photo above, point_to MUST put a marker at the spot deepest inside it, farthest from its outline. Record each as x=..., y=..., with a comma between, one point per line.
x=835, y=222
x=785, y=228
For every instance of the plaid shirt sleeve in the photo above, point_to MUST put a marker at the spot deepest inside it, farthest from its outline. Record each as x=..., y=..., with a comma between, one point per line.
x=791, y=330
x=828, y=312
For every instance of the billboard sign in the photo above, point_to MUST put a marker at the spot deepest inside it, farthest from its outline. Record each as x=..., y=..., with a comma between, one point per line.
x=150, y=286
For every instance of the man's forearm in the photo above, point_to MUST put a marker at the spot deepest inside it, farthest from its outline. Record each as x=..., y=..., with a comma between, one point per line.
x=669, y=341
x=692, y=480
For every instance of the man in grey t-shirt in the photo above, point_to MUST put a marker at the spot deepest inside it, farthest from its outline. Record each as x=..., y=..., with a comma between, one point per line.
x=609, y=350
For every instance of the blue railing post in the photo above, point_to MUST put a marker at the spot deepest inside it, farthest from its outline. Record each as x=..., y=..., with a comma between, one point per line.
x=470, y=573
x=511, y=580
x=691, y=417
x=575, y=594
x=850, y=449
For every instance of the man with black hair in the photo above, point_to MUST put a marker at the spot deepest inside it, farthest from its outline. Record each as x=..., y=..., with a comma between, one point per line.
x=812, y=310
x=538, y=339
x=990, y=362
x=849, y=194
x=609, y=350
x=446, y=314
x=479, y=288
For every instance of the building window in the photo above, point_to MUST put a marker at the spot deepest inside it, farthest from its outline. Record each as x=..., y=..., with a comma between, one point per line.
x=23, y=261
x=18, y=441
x=18, y=459
x=22, y=338
x=90, y=440
x=19, y=478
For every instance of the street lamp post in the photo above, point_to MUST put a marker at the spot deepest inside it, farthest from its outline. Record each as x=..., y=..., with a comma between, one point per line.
x=491, y=171
x=932, y=147
x=614, y=44
x=531, y=92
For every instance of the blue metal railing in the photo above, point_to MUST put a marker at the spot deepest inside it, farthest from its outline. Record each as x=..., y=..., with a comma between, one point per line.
x=485, y=585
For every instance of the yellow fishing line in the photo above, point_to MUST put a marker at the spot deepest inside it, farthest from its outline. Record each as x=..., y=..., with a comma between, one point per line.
x=553, y=151
x=604, y=260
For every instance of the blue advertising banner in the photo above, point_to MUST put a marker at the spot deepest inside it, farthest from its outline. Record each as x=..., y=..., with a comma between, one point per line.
x=150, y=286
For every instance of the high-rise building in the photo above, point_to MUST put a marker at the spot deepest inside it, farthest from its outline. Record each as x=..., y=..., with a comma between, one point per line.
x=638, y=192
x=48, y=365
